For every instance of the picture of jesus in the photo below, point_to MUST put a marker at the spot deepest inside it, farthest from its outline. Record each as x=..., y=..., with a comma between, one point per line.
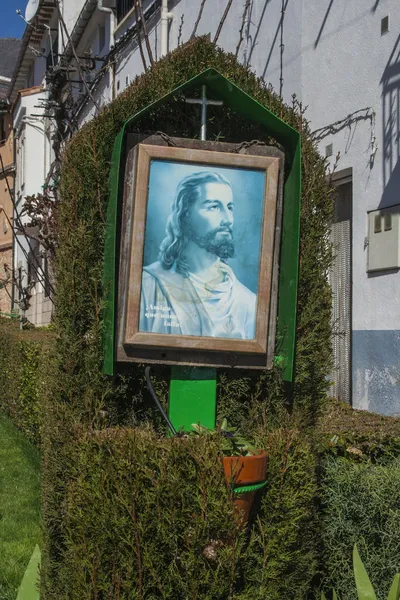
x=197, y=284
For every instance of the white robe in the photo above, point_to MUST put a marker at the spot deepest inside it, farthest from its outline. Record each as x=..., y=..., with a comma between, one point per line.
x=171, y=303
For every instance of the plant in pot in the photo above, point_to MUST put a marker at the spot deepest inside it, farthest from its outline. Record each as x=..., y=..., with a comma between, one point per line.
x=244, y=465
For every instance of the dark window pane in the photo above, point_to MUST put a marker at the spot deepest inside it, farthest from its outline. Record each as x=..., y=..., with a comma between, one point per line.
x=123, y=7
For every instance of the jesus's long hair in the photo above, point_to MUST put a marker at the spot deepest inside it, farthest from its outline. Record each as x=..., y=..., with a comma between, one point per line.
x=178, y=226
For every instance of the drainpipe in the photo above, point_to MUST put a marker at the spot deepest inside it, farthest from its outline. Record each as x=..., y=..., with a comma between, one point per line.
x=110, y=11
x=14, y=150
x=165, y=17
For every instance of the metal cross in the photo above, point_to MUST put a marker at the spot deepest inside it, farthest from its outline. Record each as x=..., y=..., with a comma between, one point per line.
x=204, y=103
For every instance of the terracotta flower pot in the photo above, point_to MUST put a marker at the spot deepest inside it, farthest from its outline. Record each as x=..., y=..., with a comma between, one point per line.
x=243, y=504
x=244, y=471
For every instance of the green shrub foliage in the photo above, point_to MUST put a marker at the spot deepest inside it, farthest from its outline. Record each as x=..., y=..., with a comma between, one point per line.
x=361, y=504
x=280, y=560
x=140, y=513
x=149, y=517
x=24, y=357
x=357, y=434
x=84, y=504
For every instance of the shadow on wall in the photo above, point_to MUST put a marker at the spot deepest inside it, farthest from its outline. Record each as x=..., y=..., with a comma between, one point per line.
x=373, y=9
x=328, y=10
x=390, y=82
x=253, y=39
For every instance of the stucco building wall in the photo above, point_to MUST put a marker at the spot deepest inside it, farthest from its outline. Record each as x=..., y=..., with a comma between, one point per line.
x=32, y=163
x=6, y=216
x=347, y=66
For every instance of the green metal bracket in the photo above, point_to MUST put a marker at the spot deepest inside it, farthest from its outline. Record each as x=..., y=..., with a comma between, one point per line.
x=242, y=489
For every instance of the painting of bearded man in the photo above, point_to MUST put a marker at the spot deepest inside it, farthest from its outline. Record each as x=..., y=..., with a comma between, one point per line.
x=192, y=289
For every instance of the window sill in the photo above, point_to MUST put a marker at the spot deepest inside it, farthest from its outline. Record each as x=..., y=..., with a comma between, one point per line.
x=119, y=26
x=130, y=14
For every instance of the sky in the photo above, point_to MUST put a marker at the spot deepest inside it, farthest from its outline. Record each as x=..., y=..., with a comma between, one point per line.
x=11, y=25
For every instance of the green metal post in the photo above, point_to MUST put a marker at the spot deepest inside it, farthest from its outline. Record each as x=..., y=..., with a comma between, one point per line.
x=192, y=397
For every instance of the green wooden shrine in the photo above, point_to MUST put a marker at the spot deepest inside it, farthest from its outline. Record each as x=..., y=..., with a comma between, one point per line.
x=192, y=395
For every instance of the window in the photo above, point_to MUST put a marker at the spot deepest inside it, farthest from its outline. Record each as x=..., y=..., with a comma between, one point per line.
x=33, y=262
x=102, y=37
x=19, y=283
x=47, y=286
x=48, y=148
x=21, y=158
x=123, y=7
x=52, y=57
x=2, y=130
x=385, y=25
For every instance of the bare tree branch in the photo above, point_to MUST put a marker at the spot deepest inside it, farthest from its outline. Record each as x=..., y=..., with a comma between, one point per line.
x=145, y=34
x=222, y=21
x=180, y=31
x=78, y=65
x=282, y=48
x=198, y=19
x=17, y=220
x=138, y=36
x=246, y=8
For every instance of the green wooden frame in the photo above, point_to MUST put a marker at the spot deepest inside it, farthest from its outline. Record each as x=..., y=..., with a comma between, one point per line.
x=290, y=139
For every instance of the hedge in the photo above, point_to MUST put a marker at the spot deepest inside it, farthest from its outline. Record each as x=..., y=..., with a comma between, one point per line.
x=358, y=434
x=25, y=356
x=79, y=268
x=141, y=510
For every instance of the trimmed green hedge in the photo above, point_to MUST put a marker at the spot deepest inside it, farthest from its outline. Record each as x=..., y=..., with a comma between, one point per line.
x=140, y=511
x=281, y=559
x=79, y=269
x=357, y=434
x=25, y=356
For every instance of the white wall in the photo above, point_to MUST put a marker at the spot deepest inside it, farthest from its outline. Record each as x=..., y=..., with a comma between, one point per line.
x=260, y=48
x=70, y=11
x=345, y=60
x=28, y=182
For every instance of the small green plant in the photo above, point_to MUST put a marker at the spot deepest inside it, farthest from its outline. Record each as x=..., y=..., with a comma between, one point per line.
x=232, y=441
x=365, y=591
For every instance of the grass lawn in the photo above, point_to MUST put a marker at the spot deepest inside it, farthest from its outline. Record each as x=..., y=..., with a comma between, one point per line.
x=19, y=506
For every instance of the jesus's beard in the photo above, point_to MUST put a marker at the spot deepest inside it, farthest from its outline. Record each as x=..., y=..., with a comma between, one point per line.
x=224, y=247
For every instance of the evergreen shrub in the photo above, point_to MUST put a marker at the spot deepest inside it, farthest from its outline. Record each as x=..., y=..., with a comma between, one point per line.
x=357, y=434
x=280, y=560
x=141, y=511
x=359, y=480
x=24, y=360
x=360, y=504
x=83, y=504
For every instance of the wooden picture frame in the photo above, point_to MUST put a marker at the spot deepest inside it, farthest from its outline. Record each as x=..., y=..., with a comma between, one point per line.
x=139, y=345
